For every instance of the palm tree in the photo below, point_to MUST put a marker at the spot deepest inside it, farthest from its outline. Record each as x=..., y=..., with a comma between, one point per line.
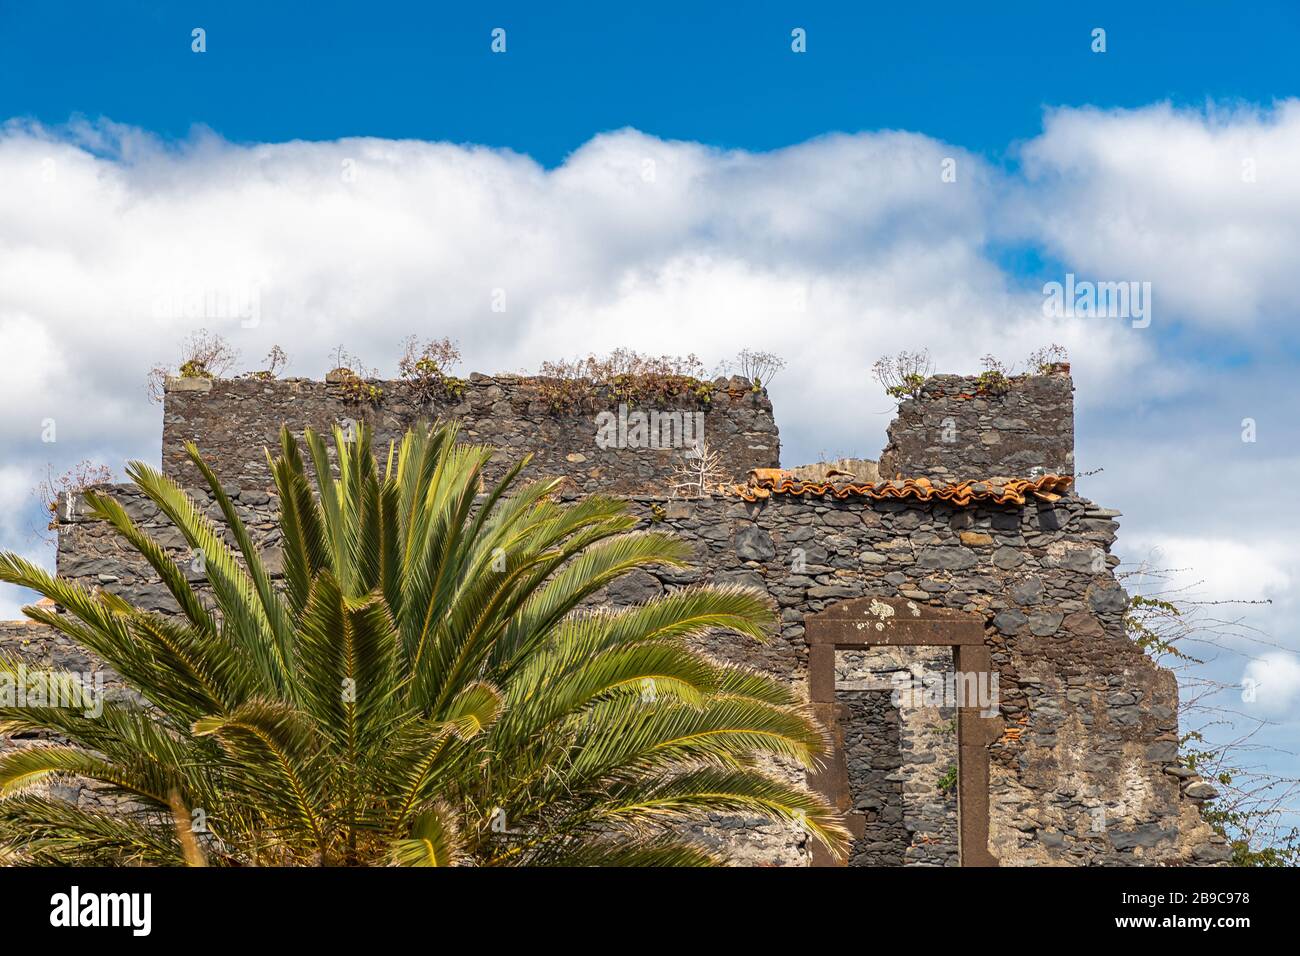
x=429, y=686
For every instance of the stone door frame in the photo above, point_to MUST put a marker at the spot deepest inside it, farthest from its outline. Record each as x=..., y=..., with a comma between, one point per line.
x=897, y=622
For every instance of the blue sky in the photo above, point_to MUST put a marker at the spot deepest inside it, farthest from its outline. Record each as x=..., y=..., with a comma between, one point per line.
x=674, y=178
x=979, y=75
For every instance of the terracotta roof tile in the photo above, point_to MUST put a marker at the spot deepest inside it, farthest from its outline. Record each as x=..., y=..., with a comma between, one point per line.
x=765, y=482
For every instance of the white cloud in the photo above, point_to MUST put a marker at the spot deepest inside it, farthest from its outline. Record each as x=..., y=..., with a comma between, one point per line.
x=1247, y=567
x=1275, y=679
x=118, y=246
x=1205, y=204
x=40, y=363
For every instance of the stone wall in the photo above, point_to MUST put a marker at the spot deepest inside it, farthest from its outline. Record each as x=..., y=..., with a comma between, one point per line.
x=1082, y=768
x=41, y=649
x=873, y=750
x=36, y=645
x=233, y=420
x=958, y=430
x=1087, y=742
x=902, y=755
x=92, y=554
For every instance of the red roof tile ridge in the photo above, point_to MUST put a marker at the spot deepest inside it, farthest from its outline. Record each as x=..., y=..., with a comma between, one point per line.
x=765, y=482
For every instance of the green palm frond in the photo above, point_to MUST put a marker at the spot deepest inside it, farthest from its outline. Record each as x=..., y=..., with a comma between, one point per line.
x=302, y=525
x=427, y=685
x=693, y=611
x=274, y=614
x=348, y=663
x=172, y=577
x=125, y=736
x=244, y=616
x=44, y=832
x=434, y=840
x=555, y=688
x=737, y=791
x=20, y=769
x=281, y=760
x=655, y=852
x=620, y=735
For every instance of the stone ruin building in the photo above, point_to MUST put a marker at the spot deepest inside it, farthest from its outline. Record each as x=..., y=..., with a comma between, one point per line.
x=963, y=559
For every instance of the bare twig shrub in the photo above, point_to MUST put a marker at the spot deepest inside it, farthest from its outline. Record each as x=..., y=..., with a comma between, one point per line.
x=426, y=367
x=55, y=491
x=631, y=376
x=699, y=473
x=902, y=375
x=203, y=354
x=759, y=367
x=1180, y=631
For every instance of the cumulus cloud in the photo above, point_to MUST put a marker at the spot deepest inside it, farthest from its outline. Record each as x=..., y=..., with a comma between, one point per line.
x=1223, y=568
x=1205, y=204
x=117, y=245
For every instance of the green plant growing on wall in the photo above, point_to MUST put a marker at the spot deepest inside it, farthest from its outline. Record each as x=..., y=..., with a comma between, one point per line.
x=996, y=377
x=1048, y=359
x=275, y=361
x=948, y=782
x=1153, y=624
x=563, y=389
x=203, y=354
x=356, y=382
x=359, y=391
x=426, y=367
x=1249, y=827
x=630, y=377
x=428, y=687
x=903, y=375
x=759, y=367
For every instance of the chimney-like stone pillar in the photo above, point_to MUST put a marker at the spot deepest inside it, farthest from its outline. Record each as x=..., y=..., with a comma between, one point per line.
x=965, y=427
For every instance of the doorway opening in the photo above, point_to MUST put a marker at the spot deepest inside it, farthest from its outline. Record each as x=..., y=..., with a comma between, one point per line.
x=863, y=625
x=900, y=749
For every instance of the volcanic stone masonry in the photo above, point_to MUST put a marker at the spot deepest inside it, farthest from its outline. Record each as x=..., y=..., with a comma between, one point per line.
x=957, y=429
x=1083, y=732
x=233, y=420
x=901, y=757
